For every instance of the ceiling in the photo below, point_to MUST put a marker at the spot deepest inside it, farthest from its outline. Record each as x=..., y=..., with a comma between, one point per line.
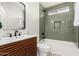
x=50, y=4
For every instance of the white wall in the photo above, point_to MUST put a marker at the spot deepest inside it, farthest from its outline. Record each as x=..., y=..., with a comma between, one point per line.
x=32, y=18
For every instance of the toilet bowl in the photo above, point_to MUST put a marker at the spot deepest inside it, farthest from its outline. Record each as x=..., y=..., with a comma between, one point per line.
x=43, y=49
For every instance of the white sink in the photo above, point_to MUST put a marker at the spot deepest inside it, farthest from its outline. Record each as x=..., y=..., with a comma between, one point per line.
x=7, y=40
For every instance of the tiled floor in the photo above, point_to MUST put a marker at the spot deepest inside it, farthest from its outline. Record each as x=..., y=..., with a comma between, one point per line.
x=62, y=48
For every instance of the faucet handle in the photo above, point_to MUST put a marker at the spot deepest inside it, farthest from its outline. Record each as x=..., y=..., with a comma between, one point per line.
x=10, y=35
x=19, y=33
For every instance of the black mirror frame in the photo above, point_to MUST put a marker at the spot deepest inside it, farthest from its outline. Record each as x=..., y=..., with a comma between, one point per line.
x=24, y=22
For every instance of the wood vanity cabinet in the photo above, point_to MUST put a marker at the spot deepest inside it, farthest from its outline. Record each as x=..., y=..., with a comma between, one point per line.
x=26, y=47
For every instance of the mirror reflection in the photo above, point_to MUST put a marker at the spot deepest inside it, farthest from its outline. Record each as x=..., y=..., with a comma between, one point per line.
x=12, y=15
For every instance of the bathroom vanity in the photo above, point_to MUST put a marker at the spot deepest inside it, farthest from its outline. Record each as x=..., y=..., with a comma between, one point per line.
x=22, y=46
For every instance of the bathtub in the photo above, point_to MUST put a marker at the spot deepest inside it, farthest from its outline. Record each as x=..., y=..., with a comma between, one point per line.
x=62, y=48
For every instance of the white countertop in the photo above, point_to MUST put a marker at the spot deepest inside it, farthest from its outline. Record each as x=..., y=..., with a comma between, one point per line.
x=8, y=40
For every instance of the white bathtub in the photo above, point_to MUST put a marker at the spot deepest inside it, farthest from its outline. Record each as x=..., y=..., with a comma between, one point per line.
x=63, y=48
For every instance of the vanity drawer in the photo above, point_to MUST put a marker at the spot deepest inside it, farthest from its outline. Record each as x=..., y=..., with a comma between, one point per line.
x=18, y=52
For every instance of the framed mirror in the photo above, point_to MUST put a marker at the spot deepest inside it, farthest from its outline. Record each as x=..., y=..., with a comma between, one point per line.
x=12, y=15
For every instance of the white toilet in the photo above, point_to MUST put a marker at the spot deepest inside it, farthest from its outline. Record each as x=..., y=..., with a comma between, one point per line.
x=43, y=49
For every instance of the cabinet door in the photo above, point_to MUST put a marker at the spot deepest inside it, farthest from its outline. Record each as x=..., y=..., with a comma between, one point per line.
x=31, y=50
x=20, y=48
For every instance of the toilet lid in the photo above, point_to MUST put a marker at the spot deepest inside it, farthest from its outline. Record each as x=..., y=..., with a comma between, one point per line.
x=40, y=45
